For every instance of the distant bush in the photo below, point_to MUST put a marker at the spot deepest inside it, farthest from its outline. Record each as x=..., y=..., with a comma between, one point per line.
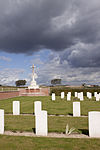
x=20, y=82
x=56, y=81
x=58, y=91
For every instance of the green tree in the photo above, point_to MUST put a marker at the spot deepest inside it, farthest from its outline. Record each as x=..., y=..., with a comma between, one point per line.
x=20, y=82
x=56, y=81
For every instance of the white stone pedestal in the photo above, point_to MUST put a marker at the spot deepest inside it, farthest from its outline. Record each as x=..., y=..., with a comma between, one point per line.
x=41, y=124
x=94, y=124
x=62, y=95
x=53, y=97
x=16, y=107
x=1, y=121
x=76, y=109
x=33, y=84
x=37, y=107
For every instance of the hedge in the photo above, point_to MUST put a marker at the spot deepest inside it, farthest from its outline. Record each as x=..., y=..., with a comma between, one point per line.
x=58, y=91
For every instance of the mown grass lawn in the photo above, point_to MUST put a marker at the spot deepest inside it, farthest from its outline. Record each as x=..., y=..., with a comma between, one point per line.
x=55, y=123
x=35, y=143
x=53, y=107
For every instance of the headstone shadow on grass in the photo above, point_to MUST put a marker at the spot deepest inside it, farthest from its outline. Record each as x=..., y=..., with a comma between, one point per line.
x=84, y=131
x=70, y=114
x=34, y=130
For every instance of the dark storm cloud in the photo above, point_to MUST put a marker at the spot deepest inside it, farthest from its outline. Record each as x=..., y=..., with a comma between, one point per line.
x=85, y=59
x=27, y=26
x=83, y=55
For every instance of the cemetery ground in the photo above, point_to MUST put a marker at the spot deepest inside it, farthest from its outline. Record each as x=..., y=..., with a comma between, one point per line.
x=57, y=107
x=42, y=143
x=59, y=115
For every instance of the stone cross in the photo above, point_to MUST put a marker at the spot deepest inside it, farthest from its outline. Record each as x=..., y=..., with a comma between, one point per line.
x=33, y=68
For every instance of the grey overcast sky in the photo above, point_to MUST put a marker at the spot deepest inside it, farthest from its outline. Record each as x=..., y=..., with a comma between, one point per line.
x=62, y=37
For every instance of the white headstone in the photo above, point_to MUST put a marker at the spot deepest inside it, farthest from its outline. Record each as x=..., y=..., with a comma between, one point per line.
x=95, y=93
x=68, y=97
x=89, y=95
x=97, y=97
x=62, y=95
x=16, y=107
x=76, y=109
x=76, y=94
x=41, y=123
x=94, y=124
x=1, y=121
x=69, y=93
x=37, y=107
x=53, y=97
x=81, y=96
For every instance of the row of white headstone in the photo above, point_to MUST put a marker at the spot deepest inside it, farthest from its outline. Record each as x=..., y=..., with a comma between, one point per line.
x=16, y=111
x=97, y=96
x=41, y=124
x=78, y=95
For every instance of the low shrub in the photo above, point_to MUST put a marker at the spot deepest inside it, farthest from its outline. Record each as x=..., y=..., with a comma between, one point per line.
x=58, y=90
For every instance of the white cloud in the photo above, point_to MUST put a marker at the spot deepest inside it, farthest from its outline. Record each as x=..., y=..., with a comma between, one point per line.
x=36, y=60
x=8, y=76
x=5, y=58
x=73, y=76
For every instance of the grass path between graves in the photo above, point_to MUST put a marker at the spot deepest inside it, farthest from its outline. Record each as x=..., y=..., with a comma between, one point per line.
x=55, y=123
x=56, y=107
x=37, y=143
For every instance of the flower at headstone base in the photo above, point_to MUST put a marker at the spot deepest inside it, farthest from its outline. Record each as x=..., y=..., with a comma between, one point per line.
x=69, y=130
